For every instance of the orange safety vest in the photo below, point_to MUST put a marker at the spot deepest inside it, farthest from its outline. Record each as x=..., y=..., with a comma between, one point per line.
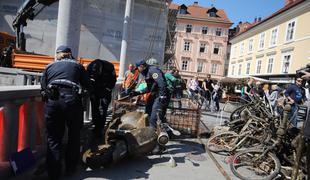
x=131, y=79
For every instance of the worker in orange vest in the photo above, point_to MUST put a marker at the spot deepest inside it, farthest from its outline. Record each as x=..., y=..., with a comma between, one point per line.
x=131, y=79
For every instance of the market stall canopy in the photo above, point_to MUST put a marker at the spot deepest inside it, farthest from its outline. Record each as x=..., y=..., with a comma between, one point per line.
x=241, y=79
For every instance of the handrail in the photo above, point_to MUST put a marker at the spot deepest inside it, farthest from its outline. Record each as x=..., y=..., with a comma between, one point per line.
x=7, y=93
x=21, y=119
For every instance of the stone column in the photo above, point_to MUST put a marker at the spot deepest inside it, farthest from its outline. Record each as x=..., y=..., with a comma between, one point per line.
x=122, y=63
x=69, y=24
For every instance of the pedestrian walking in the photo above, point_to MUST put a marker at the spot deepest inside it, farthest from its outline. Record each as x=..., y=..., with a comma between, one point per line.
x=208, y=86
x=216, y=95
x=193, y=87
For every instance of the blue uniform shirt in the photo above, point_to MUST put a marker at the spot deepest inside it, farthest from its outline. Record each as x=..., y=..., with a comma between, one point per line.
x=67, y=69
x=155, y=80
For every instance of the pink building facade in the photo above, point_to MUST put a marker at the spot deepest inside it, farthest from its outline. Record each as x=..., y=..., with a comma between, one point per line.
x=201, y=41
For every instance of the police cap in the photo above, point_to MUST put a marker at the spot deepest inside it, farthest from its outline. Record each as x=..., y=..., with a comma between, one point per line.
x=141, y=62
x=63, y=48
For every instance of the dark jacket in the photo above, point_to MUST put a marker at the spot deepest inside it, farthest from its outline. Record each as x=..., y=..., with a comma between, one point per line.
x=155, y=80
x=296, y=93
x=65, y=69
x=103, y=76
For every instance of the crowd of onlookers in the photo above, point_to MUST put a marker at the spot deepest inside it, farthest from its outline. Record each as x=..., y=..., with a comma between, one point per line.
x=278, y=95
x=210, y=89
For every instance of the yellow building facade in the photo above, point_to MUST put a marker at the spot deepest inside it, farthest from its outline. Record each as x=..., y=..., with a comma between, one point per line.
x=275, y=47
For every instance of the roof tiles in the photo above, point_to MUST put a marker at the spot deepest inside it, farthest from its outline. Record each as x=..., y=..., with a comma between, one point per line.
x=198, y=12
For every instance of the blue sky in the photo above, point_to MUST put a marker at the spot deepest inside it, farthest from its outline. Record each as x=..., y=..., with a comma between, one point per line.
x=240, y=10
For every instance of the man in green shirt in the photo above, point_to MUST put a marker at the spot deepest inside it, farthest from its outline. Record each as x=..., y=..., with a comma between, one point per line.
x=171, y=80
x=173, y=83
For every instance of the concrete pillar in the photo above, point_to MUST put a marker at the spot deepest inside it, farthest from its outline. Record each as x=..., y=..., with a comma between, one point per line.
x=122, y=63
x=69, y=24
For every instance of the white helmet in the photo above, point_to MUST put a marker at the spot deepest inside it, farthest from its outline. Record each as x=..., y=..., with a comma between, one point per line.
x=152, y=61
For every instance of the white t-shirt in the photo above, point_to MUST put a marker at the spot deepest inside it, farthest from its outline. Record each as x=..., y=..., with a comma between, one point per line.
x=193, y=85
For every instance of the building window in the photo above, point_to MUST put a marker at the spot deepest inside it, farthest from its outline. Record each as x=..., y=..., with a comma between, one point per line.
x=202, y=48
x=270, y=64
x=241, y=48
x=185, y=65
x=250, y=45
x=235, y=51
x=258, y=66
x=290, y=31
x=187, y=46
x=204, y=30
x=218, y=32
x=199, y=66
x=212, y=14
x=240, y=69
x=182, y=11
x=213, y=68
x=286, y=63
x=216, y=49
x=248, y=66
x=261, y=41
x=189, y=28
x=274, y=36
x=233, y=70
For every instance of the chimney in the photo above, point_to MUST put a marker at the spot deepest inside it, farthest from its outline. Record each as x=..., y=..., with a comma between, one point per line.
x=259, y=19
x=196, y=3
x=288, y=2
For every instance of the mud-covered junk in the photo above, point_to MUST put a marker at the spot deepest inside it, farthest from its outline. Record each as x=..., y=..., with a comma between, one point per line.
x=125, y=136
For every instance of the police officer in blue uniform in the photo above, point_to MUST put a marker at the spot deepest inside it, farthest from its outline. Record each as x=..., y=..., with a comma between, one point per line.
x=157, y=104
x=61, y=83
x=103, y=79
x=159, y=99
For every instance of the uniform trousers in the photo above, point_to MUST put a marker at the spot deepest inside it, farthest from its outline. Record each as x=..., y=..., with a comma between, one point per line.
x=67, y=111
x=155, y=105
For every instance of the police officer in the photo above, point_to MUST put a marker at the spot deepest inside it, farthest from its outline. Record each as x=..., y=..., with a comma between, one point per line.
x=61, y=83
x=160, y=96
x=103, y=79
x=156, y=83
